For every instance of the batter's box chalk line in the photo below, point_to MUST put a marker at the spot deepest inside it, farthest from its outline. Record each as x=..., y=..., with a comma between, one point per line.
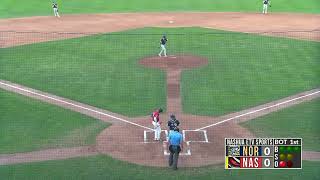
x=146, y=132
x=165, y=143
x=184, y=132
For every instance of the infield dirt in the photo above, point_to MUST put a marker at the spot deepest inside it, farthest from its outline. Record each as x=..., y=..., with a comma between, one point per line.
x=300, y=26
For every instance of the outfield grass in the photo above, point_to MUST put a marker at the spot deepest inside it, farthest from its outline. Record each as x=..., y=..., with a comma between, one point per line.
x=298, y=121
x=102, y=70
x=27, y=124
x=103, y=167
x=14, y=8
x=246, y=71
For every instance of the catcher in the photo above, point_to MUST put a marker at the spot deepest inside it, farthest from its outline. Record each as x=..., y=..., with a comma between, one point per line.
x=173, y=123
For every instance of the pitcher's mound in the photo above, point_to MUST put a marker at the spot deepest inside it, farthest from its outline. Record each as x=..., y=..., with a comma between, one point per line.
x=174, y=62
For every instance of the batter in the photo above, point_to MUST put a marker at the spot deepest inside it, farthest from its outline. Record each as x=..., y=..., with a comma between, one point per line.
x=156, y=123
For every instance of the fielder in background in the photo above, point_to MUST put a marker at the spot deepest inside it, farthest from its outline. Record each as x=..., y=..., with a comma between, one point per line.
x=163, y=42
x=175, y=147
x=156, y=123
x=55, y=9
x=173, y=123
x=266, y=3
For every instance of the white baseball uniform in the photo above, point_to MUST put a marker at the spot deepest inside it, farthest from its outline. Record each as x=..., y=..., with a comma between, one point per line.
x=55, y=9
x=266, y=3
x=156, y=125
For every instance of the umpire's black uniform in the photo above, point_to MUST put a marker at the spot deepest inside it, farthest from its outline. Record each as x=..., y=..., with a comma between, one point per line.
x=173, y=123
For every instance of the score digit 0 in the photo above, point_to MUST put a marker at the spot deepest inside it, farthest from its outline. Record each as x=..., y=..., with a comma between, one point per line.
x=266, y=151
x=266, y=162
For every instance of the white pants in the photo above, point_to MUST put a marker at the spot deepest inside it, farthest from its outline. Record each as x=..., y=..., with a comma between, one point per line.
x=157, y=130
x=265, y=9
x=56, y=13
x=164, y=50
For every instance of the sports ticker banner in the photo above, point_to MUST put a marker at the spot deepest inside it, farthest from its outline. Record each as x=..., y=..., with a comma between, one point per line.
x=263, y=153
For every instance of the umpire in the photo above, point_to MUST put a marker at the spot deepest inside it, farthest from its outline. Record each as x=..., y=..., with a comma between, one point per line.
x=175, y=147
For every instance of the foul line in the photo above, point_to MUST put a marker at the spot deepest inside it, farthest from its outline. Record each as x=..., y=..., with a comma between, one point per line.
x=75, y=105
x=251, y=112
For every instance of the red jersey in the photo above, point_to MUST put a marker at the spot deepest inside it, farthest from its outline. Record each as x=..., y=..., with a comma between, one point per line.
x=155, y=116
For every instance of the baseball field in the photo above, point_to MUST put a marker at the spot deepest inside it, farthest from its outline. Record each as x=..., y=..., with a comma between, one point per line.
x=76, y=92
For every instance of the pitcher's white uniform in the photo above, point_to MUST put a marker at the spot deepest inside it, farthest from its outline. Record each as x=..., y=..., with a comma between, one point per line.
x=266, y=3
x=55, y=9
x=156, y=125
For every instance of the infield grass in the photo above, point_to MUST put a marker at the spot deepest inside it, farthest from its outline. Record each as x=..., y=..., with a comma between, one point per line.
x=103, y=167
x=244, y=70
x=14, y=8
x=27, y=125
x=302, y=120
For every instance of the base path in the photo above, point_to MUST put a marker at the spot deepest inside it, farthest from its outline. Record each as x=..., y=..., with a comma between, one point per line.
x=301, y=26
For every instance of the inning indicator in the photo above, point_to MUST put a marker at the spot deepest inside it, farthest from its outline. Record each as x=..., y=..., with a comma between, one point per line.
x=263, y=153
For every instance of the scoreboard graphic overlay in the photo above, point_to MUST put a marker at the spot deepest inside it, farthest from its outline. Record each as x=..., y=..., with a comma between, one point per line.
x=263, y=153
